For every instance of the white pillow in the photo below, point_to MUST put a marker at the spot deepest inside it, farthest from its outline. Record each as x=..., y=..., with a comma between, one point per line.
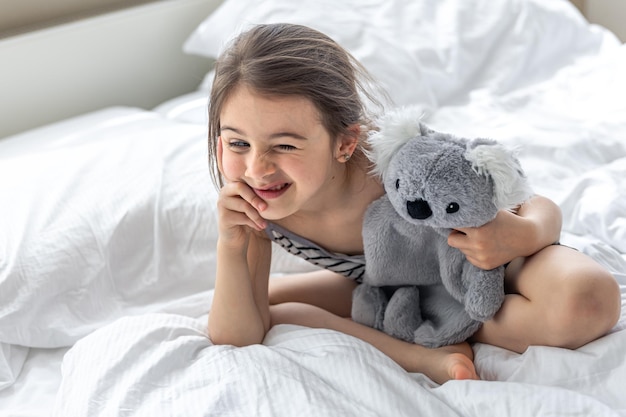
x=108, y=215
x=431, y=52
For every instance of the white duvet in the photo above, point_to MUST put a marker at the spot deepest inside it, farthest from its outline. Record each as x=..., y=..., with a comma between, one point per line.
x=165, y=365
x=106, y=314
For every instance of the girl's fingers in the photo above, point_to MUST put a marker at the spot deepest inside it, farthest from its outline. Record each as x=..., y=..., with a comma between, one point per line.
x=242, y=206
x=244, y=191
x=238, y=212
x=237, y=219
x=458, y=238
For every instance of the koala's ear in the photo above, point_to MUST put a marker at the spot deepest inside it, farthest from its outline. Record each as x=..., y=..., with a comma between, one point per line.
x=397, y=127
x=495, y=160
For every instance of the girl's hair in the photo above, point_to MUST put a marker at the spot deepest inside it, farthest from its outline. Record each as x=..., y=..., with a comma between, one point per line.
x=287, y=59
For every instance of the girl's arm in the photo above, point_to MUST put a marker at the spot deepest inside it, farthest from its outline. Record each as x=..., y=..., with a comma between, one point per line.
x=536, y=225
x=240, y=311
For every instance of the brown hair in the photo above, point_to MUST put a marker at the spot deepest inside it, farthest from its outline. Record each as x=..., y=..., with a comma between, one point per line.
x=287, y=59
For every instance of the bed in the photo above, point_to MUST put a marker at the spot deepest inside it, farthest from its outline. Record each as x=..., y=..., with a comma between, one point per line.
x=108, y=227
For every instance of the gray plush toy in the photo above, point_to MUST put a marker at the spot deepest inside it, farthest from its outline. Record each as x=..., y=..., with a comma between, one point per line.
x=416, y=287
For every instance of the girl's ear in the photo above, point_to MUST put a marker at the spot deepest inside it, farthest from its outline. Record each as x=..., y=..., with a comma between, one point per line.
x=347, y=143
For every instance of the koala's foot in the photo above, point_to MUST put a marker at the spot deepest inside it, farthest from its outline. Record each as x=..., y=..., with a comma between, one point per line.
x=368, y=305
x=485, y=294
x=428, y=336
x=446, y=321
x=432, y=336
x=403, y=314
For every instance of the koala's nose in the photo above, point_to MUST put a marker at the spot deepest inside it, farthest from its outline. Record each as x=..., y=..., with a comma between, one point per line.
x=419, y=209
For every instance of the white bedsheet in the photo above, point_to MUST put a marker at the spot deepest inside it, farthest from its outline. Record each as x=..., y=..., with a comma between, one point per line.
x=165, y=365
x=34, y=390
x=570, y=127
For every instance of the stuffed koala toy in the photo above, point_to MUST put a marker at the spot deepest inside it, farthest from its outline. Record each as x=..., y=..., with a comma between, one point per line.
x=416, y=287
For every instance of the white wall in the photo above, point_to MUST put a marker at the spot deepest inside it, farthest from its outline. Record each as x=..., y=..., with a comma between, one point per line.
x=26, y=15
x=132, y=57
x=608, y=13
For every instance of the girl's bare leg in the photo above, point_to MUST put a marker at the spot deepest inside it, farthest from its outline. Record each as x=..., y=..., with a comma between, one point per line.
x=321, y=288
x=556, y=297
x=441, y=365
x=322, y=299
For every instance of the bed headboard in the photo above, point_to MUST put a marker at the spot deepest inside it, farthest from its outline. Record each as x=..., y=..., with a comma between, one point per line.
x=132, y=56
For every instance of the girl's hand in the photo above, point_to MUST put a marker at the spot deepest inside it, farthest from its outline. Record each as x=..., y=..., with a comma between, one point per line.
x=239, y=211
x=240, y=311
x=500, y=241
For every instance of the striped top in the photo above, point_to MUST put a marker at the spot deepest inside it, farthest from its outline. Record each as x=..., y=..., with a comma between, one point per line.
x=351, y=266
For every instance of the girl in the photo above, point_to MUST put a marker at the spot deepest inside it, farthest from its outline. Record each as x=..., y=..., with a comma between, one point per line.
x=287, y=129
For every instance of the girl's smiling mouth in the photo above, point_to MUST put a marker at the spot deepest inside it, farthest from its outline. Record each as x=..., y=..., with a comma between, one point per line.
x=272, y=192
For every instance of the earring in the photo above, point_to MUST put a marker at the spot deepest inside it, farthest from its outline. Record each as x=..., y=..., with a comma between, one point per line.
x=346, y=157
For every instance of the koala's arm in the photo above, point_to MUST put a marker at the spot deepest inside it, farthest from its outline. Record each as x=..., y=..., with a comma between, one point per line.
x=480, y=291
x=485, y=292
x=536, y=225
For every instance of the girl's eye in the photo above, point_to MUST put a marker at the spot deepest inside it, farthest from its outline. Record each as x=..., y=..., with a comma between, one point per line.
x=286, y=147
x=238, y=144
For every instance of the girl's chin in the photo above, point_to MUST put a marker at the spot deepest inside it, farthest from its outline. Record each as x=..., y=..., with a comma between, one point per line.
x=274, y=213
x=271, y=215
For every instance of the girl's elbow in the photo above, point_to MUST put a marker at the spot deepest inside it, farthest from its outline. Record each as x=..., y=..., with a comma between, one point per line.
x=237, y=340
x=235, y=337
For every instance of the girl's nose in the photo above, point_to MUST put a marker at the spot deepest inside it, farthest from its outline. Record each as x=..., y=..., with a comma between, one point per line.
x=259, y=166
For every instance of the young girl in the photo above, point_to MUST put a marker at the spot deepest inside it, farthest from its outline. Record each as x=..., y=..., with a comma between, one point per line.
x=287, y=127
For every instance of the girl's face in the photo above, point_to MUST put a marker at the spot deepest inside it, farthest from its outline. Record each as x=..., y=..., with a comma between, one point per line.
x=280, y=148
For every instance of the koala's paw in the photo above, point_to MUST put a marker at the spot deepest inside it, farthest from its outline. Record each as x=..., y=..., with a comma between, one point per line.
x=428, y=336
x=485, y=295
x=433, y=336
x=403, y=314
x=368, y=305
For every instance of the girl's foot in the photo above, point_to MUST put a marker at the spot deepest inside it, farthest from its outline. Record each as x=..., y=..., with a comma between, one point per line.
x=451, y=363
x=460, y=367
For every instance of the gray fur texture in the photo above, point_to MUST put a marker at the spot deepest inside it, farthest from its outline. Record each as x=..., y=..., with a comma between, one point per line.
x=416, y=287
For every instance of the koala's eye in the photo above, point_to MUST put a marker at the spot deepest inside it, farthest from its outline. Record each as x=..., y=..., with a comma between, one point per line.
x=452, y=208
x=397, y=184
